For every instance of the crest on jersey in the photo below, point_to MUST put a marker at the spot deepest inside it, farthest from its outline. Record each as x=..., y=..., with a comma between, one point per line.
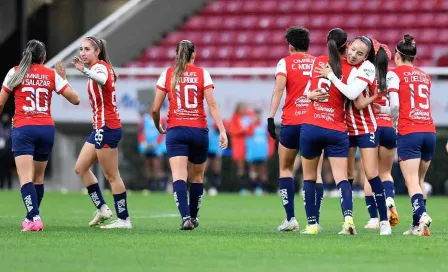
x=369, y=72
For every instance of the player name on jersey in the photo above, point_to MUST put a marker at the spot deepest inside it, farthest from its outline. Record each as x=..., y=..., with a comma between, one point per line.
x=39, y=80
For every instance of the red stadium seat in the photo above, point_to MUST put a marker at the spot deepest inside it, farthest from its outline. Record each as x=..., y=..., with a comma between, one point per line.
x=237, y=32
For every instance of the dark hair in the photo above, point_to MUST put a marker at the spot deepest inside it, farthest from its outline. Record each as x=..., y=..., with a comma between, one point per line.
x=381, y=64
x=407, y=48
x=184, y=51
x=336, y=40
x=380, y=60
x=34, y=53
x=101, y=45
x=298, y=37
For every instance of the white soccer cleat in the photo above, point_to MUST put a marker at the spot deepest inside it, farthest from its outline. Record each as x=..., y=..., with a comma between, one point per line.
x=392, y=213
x=424, y=224
x=373, y=224
x=348, y=228
x=411, y=231
x=119, y=224
x=101, y=215
x=291, y=225
x=385, y=228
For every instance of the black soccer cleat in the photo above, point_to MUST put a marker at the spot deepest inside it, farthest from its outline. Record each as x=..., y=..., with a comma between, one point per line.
x=195, y=222
x=187, y=224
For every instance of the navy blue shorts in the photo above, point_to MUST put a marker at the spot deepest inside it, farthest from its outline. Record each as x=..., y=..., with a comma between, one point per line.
x=105, y=137
x=33, y=140
x=290, y=136
x=188, y=141
x=387, y=137
x=368, y=140
x=419, y=145
x=313, y=139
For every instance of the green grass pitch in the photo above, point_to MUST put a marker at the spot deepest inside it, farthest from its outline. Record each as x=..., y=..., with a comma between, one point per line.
x=236, y=234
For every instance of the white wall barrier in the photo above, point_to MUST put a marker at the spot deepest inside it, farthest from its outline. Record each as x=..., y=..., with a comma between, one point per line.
x=132, y=92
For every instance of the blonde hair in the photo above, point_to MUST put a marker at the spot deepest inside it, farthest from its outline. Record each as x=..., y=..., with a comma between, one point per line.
x=101, y=45
x=184, y=51
x=34, y=53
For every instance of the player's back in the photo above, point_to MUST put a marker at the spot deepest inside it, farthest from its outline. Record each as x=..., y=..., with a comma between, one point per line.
x=33, y=96
x=187, y=101
x=297, y=70
x=103, y=98
x=329, y=114
x=414, y=89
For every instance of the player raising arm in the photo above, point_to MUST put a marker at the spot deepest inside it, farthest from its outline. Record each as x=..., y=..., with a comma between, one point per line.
x=33, y=128
x=187, y=139
x=102, y=144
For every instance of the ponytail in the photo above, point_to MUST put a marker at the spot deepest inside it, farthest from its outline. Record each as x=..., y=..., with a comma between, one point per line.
x=184, y=52
x=334, y=58
x=381, y=64
x=101, y=45
x=34, y=53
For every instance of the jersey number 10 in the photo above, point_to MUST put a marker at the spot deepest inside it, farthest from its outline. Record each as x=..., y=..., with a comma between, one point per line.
x=187, y=90
x=34, y=99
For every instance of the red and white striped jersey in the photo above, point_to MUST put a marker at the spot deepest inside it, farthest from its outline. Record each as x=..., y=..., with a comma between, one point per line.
x=102, y=98
x=363, y=121
x=33, y=96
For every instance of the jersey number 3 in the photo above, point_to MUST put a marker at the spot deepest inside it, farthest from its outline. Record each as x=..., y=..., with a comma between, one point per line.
x=34, y=97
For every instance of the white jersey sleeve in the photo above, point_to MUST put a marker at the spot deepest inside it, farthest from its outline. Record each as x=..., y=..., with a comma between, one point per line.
x=208, y=83
x=281, y=68
x=60, y=83
x=393, y=82
x=6, y=80
x=366, y=72
x=98, y=73
x=161, y=82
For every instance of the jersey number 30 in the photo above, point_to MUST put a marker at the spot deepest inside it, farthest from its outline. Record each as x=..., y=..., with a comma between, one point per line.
x=34, y=98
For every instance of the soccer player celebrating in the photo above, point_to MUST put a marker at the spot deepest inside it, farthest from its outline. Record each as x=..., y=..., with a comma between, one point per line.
x=360, y=118
x=33, y=127
x=102, y=144
x=293, y=72
x=387, y=148
x=409, y=89
x=187, y=135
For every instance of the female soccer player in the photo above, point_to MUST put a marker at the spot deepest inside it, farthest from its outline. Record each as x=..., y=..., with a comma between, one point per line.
x=102, y=144
x=239, y=124
x=360, y=118
x=187, y=135
x=293, y=72
x=325, y=125
x=409, y=89
x=33, y=127
x=387, y=148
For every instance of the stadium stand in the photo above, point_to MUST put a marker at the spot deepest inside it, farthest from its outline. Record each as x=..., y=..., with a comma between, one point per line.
x=249, y=33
